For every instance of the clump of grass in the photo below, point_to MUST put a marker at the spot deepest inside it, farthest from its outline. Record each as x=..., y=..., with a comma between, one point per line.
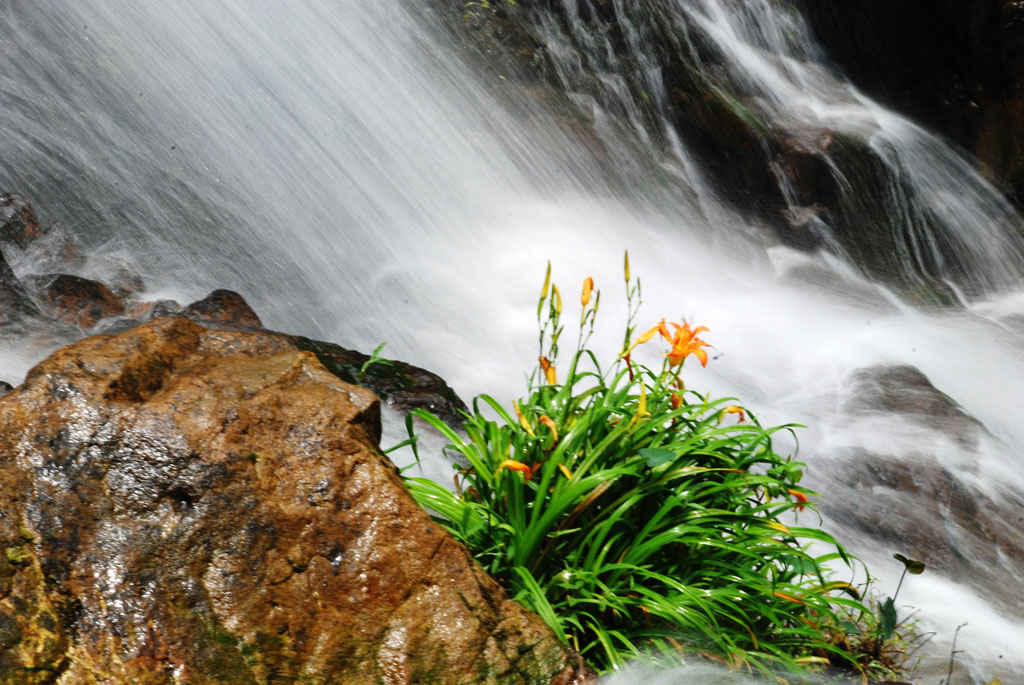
x=641, y=519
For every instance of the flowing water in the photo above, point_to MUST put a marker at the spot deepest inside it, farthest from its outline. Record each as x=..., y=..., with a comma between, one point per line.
x=341, y=164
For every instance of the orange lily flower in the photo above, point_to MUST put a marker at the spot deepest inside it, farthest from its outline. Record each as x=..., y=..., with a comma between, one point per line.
x=588, y=288
x=676, y=401
x=513, y=465
x=685, y=342
x=800, y=497
x=549, y=370
x=733, y=409
x=546, y=420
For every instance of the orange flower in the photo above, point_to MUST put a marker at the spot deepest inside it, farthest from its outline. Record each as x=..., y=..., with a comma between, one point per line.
x=676, y=401
x=588, y=288
x=513, y=465
x=551, y=426
x=733, y=409
x=549, y=370
x=685, y=342
x=800, y=497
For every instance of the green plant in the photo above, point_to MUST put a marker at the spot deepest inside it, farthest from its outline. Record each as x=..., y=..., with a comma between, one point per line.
x=373, y=359
x=638, y=518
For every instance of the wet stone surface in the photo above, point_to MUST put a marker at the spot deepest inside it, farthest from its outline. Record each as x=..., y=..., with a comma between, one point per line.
x=183, y=504
x=926, y=509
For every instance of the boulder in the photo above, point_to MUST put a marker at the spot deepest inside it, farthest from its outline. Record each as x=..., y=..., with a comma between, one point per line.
x=223, y=307
x=925, y=509
x=75, y=300
x=187, y=505
x=18, y=223
x=403, y=386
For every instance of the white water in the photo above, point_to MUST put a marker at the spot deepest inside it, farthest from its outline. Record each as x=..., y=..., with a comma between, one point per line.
x=338, y=164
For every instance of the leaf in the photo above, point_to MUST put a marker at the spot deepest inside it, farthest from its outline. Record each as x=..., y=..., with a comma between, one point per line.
x=849, y=627
x=888, y=618
x=656, y=456
x=914, y=567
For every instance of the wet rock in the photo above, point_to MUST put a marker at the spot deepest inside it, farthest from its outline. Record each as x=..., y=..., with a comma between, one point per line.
x=903, y=390
x=181, y=504
x=147, y=311
x=15, y=303
x=73, y=299
x=225, y=307
x=18, y=224
x=957, y=67
x=118, y=274
x=402, y=385
x=929, y=512
x=926, y=509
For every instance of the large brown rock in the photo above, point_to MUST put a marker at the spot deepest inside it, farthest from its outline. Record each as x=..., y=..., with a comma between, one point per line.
x=180, y=504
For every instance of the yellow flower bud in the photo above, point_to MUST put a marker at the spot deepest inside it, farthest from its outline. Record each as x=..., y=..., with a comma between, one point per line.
x=588, y=288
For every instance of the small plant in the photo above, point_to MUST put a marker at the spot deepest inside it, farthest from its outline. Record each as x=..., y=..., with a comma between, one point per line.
x=374, y=358
x=881, y=643
x=641, y=519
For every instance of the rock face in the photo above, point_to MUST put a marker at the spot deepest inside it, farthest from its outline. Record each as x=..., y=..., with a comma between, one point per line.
x=955, y=65
x=180, y=504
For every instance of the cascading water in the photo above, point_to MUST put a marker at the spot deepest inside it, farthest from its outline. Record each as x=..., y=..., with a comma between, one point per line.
x=342, y=167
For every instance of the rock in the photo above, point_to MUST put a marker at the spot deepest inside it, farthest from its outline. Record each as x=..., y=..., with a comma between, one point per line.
x=76, y=300
x=404, y=386
x=957, y=67
x=225, y=307
x=902, y=389
x=15, y=303
x=120, y=275
x=928, y=512
x=925, y=509
x=18, y=224
x=146, y=311
x=181, y=504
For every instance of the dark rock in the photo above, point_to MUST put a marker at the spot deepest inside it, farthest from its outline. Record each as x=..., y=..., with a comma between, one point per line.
x=903, y=390
x=122, y=278
x=146, y=311
x=73, y=299
x=402, y=385
x=18, y=224
x=15, y=303
x=223, y=306
x=957, y=66
x=5, y=388
x=222, y=514
x=929, y=512
x=922, y=508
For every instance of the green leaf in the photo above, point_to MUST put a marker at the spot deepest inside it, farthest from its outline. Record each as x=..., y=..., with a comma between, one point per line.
x=887, y=625
x=914, y=567
x=656, y=456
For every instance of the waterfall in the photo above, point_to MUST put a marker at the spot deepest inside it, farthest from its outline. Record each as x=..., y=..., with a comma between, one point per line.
x=361, y=178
